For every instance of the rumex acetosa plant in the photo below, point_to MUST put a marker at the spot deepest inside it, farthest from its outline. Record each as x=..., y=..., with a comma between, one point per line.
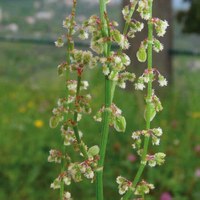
x=103, y=33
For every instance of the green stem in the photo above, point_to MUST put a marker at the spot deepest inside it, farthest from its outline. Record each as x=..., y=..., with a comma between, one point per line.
x=62, y=186
x=124, y=33
x=148, y=118
x=75, y=128
x=109, y=95
x=69, y=48
x=133, y=5
x=104, y=140
x=108, y=102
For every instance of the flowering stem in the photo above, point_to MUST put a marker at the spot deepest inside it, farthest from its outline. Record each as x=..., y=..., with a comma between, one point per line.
x=62, y=186
x=106, y=114
x=133, y=5
x=148, y=106
x=75, y=128
x=109, y=95
x=104, y=139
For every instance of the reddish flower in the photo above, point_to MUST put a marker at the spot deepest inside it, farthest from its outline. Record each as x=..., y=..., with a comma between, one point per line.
x=131, y=158
x=166, y=196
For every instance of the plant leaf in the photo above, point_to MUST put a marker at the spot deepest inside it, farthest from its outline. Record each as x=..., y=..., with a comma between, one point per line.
x=142, y=54
x=93, y=151
x=53, y=122
x=120, y=124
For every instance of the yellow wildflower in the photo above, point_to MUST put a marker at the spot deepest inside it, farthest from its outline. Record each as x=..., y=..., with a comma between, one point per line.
x=195, y=115
x=22, y=109
x=38, y=123
x=30, y=104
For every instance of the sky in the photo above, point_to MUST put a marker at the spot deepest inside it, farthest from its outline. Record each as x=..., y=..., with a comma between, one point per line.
x=180, y=4
x=177, y=4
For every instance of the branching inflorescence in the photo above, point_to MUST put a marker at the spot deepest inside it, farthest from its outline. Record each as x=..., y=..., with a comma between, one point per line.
x=103, y=33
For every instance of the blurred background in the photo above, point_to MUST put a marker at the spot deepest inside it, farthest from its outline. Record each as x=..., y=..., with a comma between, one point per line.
x=30, y=88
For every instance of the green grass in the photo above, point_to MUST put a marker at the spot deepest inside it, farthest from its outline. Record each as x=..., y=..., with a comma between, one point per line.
x=29, y=90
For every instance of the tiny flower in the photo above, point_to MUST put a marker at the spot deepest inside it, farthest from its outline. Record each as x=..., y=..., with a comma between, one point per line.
x=54, y=156
x=56, y=184
x=124, y=184
x=122, y=85
x=166, y=196
x=113, y=76
x=162, y=81
x=84, y=85
x=136, y=135
x=89, y=174
x=143, y=9
x=146, y=78
x=139, y=86
x=22, y=109
x=152, y=163
x=131, y=157
x=197, y=148
x=155, y=140
x=143, y=188
x=117, y=59
x=157, y=131
x=83, y=35
x=59, y=42
x=124, y=44
x=126, y=60
x=67, y=196
x=67, y=23
x=160, y=158
x=135, y=27
x=106, y=70
x=157, y=46
x=160, y=26
x=38, y=123
x=197, y=173
x=67, y=180
x=125, y=12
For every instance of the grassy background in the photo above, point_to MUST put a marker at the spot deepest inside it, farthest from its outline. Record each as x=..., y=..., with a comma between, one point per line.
x=30, y=88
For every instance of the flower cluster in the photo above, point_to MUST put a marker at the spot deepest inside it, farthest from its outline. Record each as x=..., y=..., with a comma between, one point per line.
x=154, y=133
x=128, y=10
x=150, y=76
x=160, y=26
x=102, y=33
x=135, y=27
x=55, y=156
x=143, y=188
x=114, y=66
x=143, y=9
x=116, y=119
x=124, y=184
x=69, y=110
x=75, y=171
x=153, y=105
x=156, y=159
x=81, y=104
